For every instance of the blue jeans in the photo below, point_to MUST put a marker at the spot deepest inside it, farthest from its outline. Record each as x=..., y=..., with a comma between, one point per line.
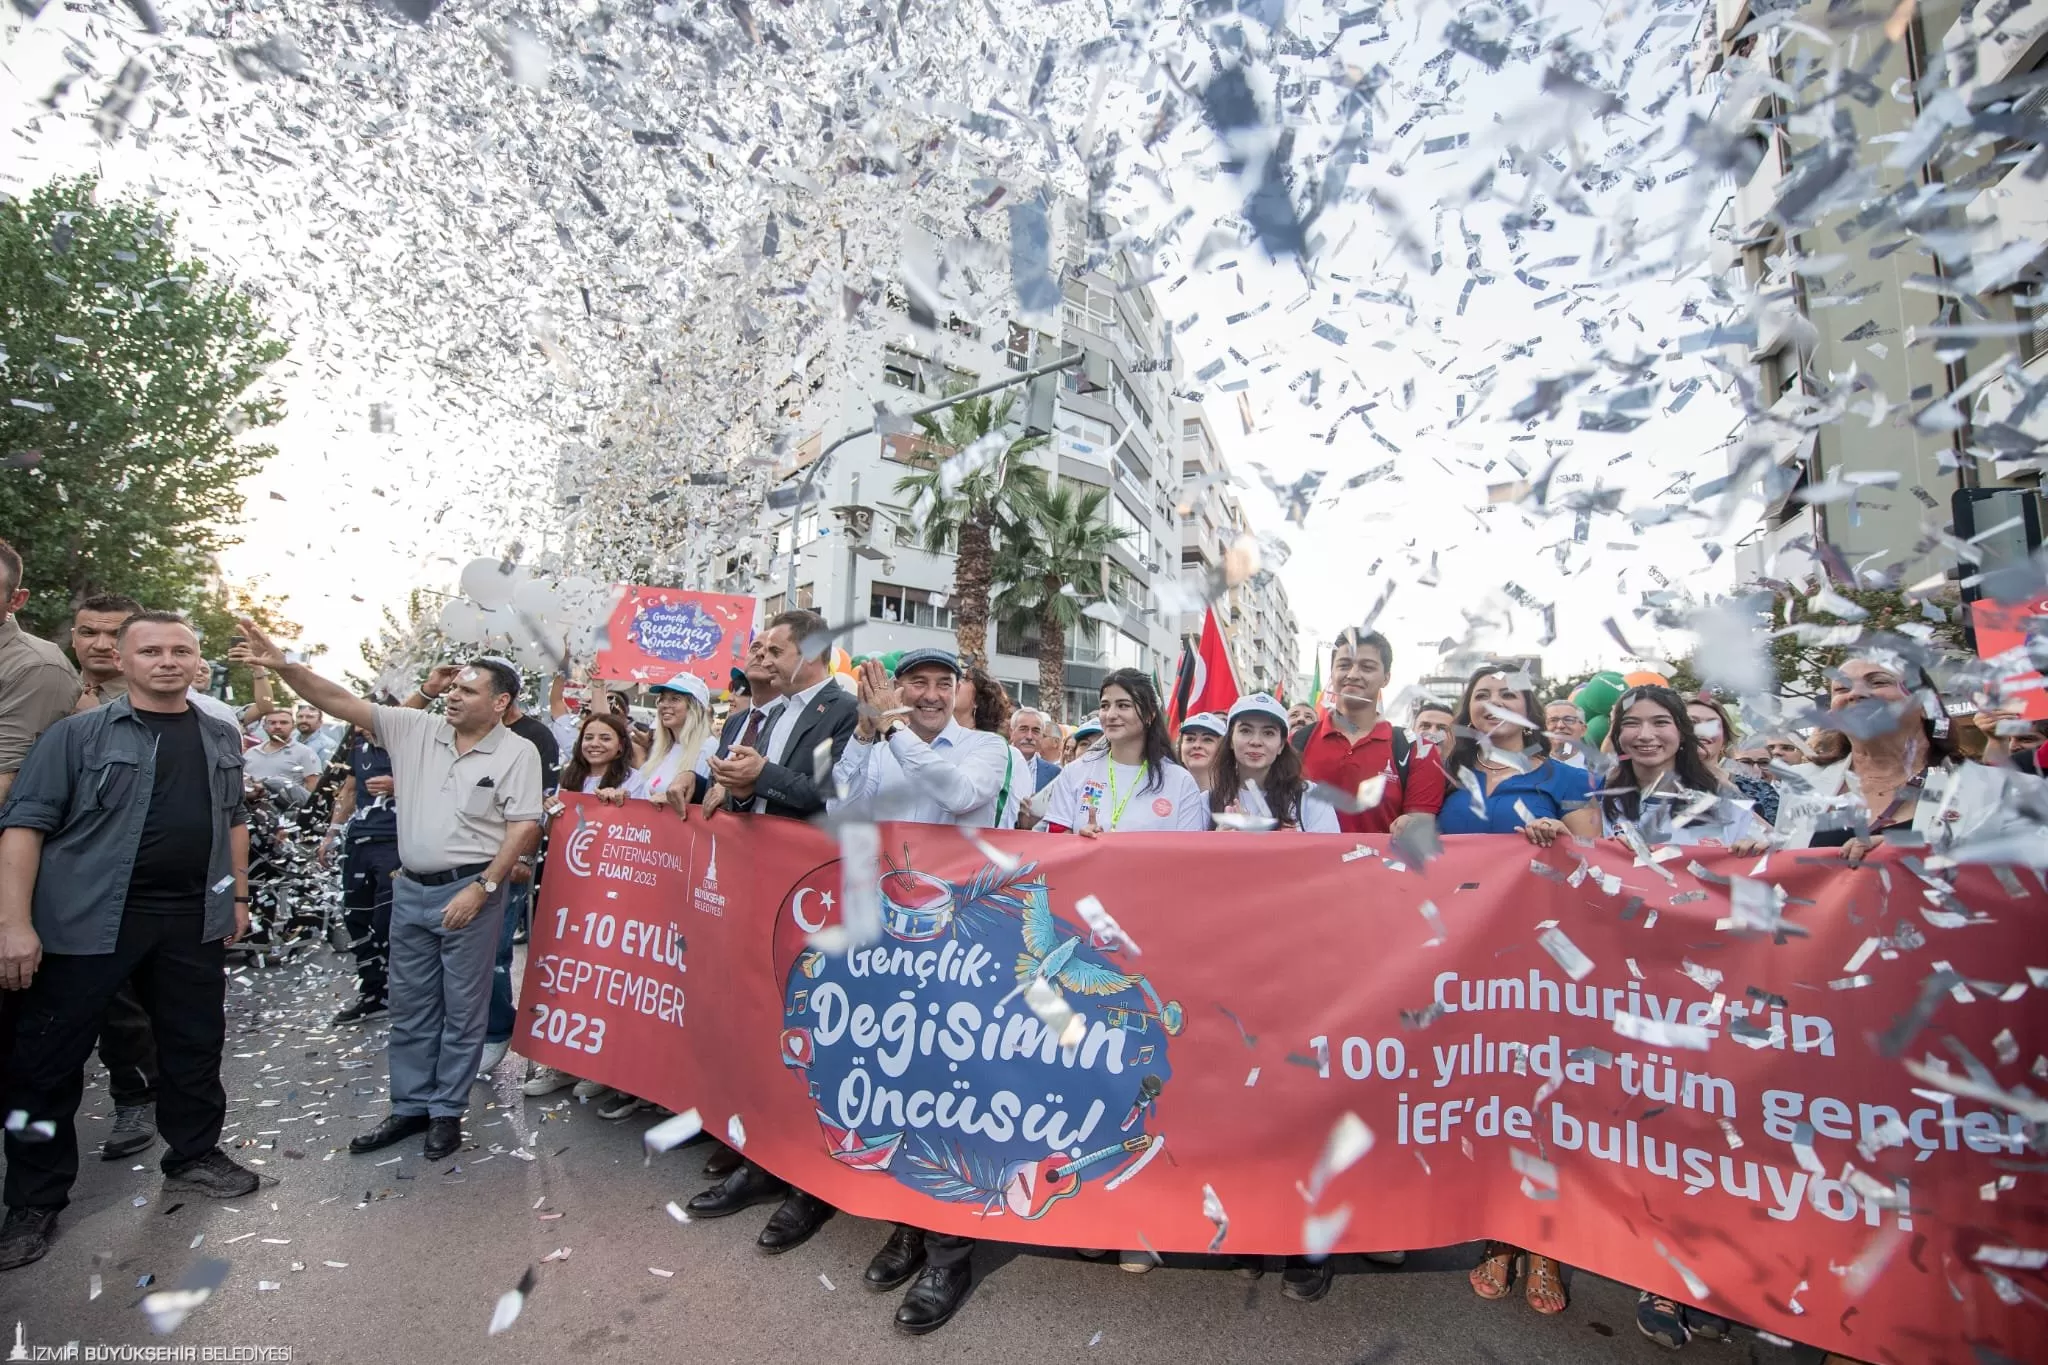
x=503, y=1017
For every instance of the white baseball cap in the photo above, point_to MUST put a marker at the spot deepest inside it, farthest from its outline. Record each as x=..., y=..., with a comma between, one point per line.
x=689, y=685
x=1259, y=704
x=1206, y=720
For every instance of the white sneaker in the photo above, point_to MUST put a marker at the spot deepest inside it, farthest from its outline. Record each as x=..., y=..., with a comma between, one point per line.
x=621, y=1106
x=1137, y=1262
x=546, y=1080
x=590, y=1090
x=493, y=1054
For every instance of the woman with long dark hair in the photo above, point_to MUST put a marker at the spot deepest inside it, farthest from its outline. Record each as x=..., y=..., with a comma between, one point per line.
x=1258, y=782
x=1662, y=786
x=1129, y=781
x=1503, y=781
x=601, y=759
x=1501, y=760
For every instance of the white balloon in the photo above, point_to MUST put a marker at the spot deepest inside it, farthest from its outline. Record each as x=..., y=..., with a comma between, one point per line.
x=501, y=626
x=485, y=583
x=536, y=597
x=530, y=656
x=461, y=619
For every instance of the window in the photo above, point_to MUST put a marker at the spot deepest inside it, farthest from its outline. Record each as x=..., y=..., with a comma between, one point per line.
x=1026, y=348
x=903, y=369
x=1124, y=588
x=1124, y=652
x=807, y=531
x=910, y=606
x=1124, y=519
x=1083, y=436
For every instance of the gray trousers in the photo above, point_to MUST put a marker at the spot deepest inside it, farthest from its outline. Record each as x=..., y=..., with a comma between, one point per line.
x=440, y=997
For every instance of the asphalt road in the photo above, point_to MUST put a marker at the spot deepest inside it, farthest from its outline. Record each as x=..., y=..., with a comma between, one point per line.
x=363, y=1259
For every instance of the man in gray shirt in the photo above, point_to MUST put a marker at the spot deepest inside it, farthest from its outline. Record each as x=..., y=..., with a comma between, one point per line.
x=280, y=757
x=469, y=808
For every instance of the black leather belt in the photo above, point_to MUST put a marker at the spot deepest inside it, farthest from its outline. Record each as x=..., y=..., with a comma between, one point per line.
x=453, y=874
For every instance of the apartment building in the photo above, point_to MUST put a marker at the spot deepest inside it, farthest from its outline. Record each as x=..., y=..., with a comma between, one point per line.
x=1857, y=300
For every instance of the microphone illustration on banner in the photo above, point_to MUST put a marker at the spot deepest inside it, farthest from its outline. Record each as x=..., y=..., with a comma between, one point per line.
x=1148, y=1091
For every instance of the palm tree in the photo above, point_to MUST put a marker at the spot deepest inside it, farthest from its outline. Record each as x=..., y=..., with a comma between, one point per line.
x=970, y=505
x=1050, y=566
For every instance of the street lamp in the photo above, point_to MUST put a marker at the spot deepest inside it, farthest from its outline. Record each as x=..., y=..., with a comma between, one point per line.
x=803, y=492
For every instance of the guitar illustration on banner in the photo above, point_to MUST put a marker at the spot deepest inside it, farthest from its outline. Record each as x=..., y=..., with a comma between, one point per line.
x=925, y=1066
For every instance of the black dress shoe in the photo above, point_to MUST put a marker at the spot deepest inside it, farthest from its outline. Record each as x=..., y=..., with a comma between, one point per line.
x=722, y=1162
x=931, y=1302
x=366, y=1007
x=792, y=1224
x=443, y=1137
x=744, y=1188
x=397, y=1128
x=900, y=1258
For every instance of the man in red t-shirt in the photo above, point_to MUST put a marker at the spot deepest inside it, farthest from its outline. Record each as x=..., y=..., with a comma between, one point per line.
x=1353, y=743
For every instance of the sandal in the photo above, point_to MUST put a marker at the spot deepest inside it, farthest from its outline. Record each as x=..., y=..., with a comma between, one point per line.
x=1495, y=1273
x=1544, y=1287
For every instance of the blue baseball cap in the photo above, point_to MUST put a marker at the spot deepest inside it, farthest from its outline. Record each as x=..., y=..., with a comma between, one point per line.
x=1090, y=726
x=918, y=658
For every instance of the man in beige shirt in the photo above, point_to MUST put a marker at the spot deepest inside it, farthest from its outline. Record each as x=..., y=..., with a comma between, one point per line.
x=38, y=687
x=469, y=808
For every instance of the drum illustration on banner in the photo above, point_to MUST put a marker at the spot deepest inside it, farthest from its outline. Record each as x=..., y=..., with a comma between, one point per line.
x=924, y=1062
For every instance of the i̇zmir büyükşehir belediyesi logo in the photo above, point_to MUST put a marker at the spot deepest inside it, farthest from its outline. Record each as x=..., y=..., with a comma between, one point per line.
x=925, y=1063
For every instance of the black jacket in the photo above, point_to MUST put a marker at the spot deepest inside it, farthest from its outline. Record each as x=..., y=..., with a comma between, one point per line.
x=790, y=789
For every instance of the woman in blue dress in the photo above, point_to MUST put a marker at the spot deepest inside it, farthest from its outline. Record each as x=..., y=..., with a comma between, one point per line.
x=1502, y=779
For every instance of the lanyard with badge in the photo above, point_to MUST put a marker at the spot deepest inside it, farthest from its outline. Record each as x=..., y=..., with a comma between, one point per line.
x=1116, y=807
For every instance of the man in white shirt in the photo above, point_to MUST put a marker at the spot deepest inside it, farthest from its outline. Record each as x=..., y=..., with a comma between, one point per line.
x=911, y=760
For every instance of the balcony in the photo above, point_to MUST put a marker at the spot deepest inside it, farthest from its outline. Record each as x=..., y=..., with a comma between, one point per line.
x=2013, y=210
x=911, y=449
x=2005, y=46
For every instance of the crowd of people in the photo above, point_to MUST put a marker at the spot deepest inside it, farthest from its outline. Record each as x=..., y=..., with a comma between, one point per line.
x=125, y=849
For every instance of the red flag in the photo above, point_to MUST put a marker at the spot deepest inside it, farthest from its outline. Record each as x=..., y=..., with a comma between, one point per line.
x=1207, y=682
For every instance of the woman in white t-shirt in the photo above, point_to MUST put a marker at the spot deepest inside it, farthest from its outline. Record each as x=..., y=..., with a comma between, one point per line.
x=601, y=760
x=1129, y=781
x=678, y=766
x=1258, y=783
x=1662, y=786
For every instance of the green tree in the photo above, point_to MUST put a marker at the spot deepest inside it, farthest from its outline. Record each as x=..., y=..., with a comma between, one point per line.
x=1802, y=664
x=1050, y=566
x=132, y=378
x=971, y=510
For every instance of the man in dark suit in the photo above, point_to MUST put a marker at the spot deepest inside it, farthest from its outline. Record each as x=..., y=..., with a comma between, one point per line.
x=775, y=768
x=769, y=762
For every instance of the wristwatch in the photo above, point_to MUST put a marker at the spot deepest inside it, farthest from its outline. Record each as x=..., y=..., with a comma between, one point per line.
x=490, y=887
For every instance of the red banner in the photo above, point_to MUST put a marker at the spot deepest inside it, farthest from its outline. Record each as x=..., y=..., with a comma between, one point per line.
x=656, y=633
x=1785, y=1100
x=2001, y=630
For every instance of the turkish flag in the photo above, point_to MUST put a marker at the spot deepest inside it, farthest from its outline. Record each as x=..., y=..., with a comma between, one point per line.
x=1206, y=681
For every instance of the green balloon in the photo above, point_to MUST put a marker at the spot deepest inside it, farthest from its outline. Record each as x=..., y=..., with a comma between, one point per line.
x=895, y=657
x=1596, y=697
x=1596, y=731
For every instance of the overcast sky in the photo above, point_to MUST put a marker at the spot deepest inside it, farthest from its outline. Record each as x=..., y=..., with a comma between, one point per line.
x=346, y=520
